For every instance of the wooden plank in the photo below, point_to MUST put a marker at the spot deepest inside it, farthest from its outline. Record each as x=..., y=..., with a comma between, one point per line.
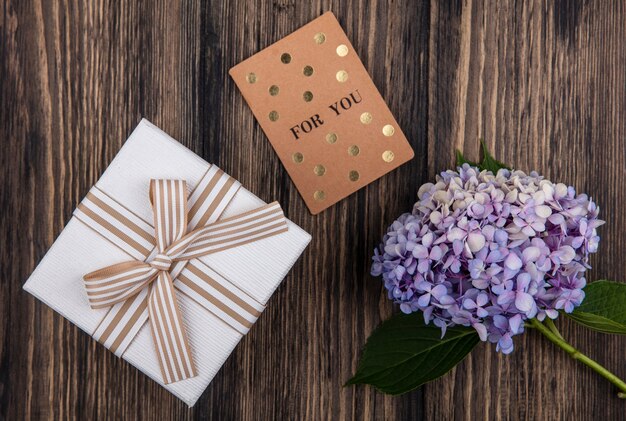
x=544, y=84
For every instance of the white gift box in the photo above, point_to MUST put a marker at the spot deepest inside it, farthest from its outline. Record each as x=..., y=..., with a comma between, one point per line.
x=256, y=268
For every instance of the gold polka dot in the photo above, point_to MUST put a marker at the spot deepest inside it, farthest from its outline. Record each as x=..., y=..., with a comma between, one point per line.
x=342, y=75
x=297, y=157
x=251, y=78
x=307, y=96
x=388, y=130
x=366, y=118
x=273, y=115
x=319, y=195
x=331, y=138
x=319, y=170
x=308, y=70
x=353, y=150
x=319, y=38
x=354, y=175
x=285, y=58
x=388, y=156
x=342, y=50
x=274, y=90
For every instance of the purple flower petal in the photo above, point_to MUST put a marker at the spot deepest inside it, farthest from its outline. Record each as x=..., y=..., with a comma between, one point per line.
x=439, y=291
x=556, y=219
x=543, y=211
x=476, y=241
x=531, y=254
x=456, y=234
x=482, y=299
x=420, y=251
x=481, y=330
x=406, y=308
x=523, y=301
x=446, y=300
x=513, y=262
x=505, y=344
x=506, y=297
x=469, y=304
x=481, y=283
x=457, y=246
x=436, y=253
x=424, y=300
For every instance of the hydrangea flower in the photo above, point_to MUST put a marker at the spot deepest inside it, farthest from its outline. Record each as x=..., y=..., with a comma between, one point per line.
x=490, y=251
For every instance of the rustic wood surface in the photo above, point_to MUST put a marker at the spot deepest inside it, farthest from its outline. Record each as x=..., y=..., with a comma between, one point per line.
x=543, y=82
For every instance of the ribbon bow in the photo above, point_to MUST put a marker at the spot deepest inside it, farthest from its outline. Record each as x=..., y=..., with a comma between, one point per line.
x=174, y=248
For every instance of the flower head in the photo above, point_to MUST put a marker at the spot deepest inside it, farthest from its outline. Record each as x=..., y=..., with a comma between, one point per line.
x=490, y=251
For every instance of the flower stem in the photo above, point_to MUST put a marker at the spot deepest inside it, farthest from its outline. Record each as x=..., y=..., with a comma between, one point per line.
x=548, y=322
x=550, y=331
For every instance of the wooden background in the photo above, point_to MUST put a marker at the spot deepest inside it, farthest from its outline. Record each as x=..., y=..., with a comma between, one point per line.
x=543, y=82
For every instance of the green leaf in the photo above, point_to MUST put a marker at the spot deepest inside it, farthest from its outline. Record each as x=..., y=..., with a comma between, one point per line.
x=460, y=160
x=403, y=354
x=487, y=163
x=604, y=307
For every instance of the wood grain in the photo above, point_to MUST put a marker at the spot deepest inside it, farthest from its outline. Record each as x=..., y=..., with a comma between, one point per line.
x=543, y=82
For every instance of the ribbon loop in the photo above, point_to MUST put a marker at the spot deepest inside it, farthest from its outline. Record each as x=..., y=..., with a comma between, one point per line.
x=169, y=205
x=116, y=283
x=121, y=282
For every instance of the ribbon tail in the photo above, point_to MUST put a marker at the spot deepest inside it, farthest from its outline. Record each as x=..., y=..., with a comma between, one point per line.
x=168, y=331
x=122, y=322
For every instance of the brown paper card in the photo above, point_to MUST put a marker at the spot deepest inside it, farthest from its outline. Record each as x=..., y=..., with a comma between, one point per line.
x=322, y=113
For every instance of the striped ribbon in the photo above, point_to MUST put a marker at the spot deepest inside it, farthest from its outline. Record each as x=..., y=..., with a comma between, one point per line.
x=142, y=289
